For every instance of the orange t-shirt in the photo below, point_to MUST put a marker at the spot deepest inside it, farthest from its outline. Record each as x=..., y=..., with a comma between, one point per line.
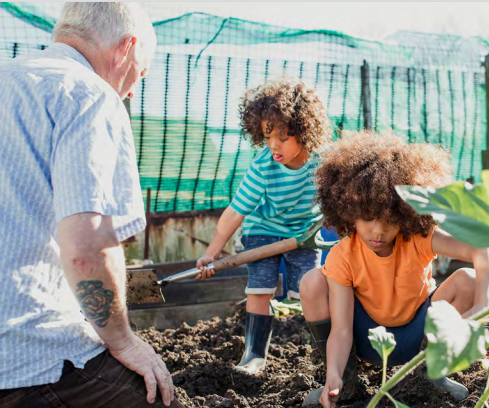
x=390, y=289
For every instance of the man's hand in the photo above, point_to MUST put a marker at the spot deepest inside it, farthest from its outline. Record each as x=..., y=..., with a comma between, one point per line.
x=206, y=272
x=331, y=392
x=140, y=357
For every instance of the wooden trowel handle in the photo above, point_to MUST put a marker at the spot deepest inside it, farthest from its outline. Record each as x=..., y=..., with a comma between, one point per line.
x=255, y=254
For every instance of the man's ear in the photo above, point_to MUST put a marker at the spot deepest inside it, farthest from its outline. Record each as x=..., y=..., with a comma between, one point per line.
x=122, y=50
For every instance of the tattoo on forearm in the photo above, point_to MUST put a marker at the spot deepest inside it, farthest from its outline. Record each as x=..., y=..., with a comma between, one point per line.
x=95, y=301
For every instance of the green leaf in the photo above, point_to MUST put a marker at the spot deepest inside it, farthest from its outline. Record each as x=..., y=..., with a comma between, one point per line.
x=460, y=208
x=382, y=341
x=454, y=343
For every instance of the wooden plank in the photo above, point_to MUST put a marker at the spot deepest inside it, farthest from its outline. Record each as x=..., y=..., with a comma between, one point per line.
x=172, y=317
x=213, y=290
x=190, y=291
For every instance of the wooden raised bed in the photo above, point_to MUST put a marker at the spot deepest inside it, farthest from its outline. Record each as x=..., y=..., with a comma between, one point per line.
x=190, y=300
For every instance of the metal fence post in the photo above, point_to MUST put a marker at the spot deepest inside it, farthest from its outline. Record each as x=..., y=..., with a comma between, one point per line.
x=485, y=154
x=148, y=223
x=366, y=103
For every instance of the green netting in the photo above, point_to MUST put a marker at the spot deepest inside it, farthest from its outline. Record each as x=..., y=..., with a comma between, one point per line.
x=426, y=87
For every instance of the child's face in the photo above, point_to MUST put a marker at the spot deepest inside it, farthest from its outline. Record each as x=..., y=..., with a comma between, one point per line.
x=378, y=235
x=285, y=149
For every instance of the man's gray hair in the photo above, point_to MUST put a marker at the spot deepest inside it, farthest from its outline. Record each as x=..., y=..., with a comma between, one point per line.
x=104, y=24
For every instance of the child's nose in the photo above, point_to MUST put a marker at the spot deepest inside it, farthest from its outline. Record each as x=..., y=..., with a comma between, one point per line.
x=380, y=227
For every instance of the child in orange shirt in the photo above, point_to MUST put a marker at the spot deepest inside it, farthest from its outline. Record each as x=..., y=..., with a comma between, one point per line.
x=380, y=273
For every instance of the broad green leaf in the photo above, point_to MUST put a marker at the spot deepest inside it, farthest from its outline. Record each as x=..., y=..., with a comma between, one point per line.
x=454, y=343
x=460, y=208
x=382, y=341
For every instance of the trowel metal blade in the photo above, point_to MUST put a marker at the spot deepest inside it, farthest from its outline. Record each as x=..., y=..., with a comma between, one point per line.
x=142, y=287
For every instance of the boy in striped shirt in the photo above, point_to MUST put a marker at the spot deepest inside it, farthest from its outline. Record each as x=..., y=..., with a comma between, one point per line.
x=274, y=200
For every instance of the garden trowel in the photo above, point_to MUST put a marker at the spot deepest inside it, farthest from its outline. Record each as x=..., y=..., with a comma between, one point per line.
x=145, y=287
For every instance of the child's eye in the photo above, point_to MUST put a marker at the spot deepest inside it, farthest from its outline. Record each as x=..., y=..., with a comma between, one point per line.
x=283, y=140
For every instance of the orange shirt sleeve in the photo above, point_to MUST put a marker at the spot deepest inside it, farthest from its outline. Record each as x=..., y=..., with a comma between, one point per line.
x=423, y=246
x=336, y=266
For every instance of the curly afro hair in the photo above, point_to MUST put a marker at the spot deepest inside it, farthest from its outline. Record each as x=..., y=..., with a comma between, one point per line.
x=358, y=175
x=291, y=105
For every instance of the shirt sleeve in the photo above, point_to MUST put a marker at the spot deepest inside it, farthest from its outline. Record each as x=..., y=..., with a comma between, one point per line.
x=423, y=246
x=93, y=163
x=250, y=191
x=337, y=268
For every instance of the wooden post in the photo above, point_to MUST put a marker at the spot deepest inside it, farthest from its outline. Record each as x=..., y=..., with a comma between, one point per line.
x=367, y=111
x=485, y=154
x=148, y=223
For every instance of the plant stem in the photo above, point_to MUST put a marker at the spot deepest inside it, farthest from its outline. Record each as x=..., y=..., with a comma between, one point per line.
x=481, y=314
x=484, y=397
x=384, y=368
x=396, y=378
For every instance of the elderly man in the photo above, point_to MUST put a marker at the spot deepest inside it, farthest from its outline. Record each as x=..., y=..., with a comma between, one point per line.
x=70, y=194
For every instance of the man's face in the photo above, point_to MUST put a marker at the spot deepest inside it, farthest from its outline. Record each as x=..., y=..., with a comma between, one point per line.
x=133, y=70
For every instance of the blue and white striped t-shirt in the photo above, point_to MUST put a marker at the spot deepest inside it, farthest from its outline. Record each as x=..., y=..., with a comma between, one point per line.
x=276, y=200
x=66, y=147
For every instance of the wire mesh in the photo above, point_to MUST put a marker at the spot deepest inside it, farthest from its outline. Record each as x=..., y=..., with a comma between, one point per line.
x=427, y=88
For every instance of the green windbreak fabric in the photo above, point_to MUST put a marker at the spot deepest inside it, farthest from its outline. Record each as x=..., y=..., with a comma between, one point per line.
x=427, y=88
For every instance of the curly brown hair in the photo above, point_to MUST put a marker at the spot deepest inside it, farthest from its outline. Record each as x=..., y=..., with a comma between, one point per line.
x=290, y=105
x=358, y=175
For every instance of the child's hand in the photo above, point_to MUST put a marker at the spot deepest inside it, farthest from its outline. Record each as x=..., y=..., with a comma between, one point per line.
x=331, y=392
x=202, y=265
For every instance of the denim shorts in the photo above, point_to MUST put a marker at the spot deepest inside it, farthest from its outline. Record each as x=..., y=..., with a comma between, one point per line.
x=263, y=274
x=408, y=337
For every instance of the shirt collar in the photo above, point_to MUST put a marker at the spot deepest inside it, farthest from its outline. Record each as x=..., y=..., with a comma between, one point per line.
x=70, y=52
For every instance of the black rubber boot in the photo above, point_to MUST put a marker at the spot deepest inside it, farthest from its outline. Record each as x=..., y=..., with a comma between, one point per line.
x=258, y=332
x=455, y=389
x=320, y=332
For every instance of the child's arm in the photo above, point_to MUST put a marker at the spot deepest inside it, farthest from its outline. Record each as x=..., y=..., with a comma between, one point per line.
x=443, y=243
x=227, y=225
x=341, y=303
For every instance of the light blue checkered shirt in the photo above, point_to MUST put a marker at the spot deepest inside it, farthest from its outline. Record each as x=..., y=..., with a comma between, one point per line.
x=66, y=147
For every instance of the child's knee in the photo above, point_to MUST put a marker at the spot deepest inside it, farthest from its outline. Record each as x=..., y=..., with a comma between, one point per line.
x=465, y=282
x=312, y=283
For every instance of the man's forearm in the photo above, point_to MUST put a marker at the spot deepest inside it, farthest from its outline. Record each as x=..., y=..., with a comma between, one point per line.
x=94, y=265
x=97, y=280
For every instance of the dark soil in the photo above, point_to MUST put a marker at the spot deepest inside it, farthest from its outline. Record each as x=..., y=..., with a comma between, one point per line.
x=201, y=358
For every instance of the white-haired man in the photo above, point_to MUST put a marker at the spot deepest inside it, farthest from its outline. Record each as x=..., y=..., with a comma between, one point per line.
x=71, y=193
